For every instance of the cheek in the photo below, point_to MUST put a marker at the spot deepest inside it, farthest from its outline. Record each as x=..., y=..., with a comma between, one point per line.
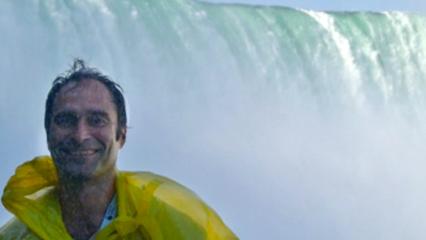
x=105, y=137
x=55, y=136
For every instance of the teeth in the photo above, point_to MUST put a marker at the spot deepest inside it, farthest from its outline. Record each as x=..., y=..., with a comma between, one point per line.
x=84, y=152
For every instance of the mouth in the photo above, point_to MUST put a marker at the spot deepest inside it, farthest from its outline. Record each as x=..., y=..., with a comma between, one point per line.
x=79, y=153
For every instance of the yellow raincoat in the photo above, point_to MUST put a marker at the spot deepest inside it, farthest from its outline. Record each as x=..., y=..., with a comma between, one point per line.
x=149, y=207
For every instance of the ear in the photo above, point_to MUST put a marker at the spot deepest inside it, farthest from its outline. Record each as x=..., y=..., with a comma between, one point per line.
x=49, y=145
x=122, y=136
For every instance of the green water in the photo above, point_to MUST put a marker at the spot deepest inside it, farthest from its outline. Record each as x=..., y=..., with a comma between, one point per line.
x=348, y=58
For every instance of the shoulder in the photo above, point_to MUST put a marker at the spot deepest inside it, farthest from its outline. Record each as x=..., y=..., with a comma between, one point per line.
x=15, y=229
x=174, y=203
x=160, y=187
x=143, y=179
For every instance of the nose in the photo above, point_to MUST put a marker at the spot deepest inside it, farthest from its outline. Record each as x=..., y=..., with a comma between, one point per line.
x=81, y=132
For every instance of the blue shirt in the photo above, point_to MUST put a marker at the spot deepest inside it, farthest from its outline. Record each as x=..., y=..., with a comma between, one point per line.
x=110, y=214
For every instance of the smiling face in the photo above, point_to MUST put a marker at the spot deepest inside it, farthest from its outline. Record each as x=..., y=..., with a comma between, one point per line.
x=83, y=138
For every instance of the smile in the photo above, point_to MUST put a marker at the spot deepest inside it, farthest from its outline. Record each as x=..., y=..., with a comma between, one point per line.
x=84, y=152
x=81, y=153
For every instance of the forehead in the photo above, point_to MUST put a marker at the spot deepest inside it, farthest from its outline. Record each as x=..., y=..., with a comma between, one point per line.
x=87, y=94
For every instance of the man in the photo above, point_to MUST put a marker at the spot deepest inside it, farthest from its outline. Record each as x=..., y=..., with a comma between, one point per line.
x=79, y=194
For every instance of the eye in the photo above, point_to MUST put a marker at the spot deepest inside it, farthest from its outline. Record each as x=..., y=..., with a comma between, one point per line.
x=97, y=120
x=65, y=120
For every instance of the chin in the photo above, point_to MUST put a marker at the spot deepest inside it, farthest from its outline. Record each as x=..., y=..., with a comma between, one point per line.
x=76, y=175
x=75, y=172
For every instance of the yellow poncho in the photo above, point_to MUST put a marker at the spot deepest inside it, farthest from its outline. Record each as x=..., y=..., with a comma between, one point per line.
x=149, y=207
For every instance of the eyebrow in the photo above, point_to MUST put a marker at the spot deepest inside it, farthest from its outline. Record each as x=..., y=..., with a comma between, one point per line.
x=60, y=113
x=92, y=112
x=99, y=112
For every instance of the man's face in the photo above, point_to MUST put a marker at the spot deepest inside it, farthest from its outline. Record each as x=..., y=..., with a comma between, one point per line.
x=82, y=137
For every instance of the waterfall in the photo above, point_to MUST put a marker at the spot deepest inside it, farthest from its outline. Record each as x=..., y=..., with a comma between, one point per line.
x=290, y=123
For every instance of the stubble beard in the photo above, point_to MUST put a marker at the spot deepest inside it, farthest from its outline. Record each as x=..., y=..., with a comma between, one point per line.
x=74, y=168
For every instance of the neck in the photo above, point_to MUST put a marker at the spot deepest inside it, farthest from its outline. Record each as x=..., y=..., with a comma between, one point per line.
x=84, y=201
